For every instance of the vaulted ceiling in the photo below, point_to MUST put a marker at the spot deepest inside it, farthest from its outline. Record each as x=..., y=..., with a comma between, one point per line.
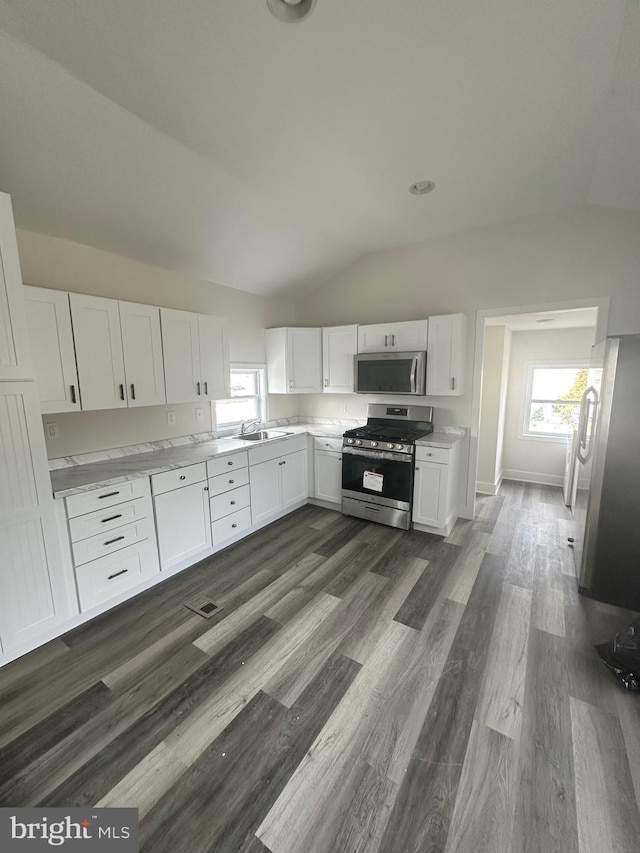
x=207, y=136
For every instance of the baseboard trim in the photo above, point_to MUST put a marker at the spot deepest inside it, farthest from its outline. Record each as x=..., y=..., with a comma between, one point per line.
x=532, y=477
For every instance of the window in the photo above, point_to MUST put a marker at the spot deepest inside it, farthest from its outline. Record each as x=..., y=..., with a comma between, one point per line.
x=247, y=401
x=552, y=402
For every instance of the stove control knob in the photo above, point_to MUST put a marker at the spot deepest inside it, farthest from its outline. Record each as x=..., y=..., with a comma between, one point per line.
x=399, y=447
x=350, y=441
x=358, y=441
x=374, y=444
x=390, y=446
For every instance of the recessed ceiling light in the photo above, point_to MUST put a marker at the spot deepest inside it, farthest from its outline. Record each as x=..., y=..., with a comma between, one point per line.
x=290, y=11
x=545, y=320
x=422, y=187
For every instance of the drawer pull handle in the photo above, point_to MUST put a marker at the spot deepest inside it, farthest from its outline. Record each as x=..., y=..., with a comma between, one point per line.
x=234, y=524
x=111, y=518
x=429, y=454
x=111, y=541
x=231, y=482
x=206, y=488
x=233, y=503
x=183, y=476
x=230, y=462
x=122, y=572
x=108, y=495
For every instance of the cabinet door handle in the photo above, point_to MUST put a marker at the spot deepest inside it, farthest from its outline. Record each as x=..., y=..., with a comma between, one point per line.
x=206, y=488
x=229, y=463
x=428, y=454
x=234, y=524
x=326, y=383
x=393, y=340
x=233, y=503
x=206, y=388
x=108, y=495
x=291, y=383
x=198, y=389
x=284, y=462
x=453, y=383
x=386, y=340
x=111, y=518
x=231, y=482
x=133, y=391
x=121, y=391
x=121, y=572
x=73, y=394
x=111, y=541
x=183, y=476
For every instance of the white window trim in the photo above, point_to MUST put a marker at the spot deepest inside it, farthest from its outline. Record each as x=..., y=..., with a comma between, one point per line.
x=264, y=397
x=530, y=366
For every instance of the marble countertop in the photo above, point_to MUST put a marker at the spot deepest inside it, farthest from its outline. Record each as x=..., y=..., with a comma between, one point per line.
x=95, y=475
x=440, y=439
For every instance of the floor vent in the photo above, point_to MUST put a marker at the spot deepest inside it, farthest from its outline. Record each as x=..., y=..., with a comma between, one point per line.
x=204, y=608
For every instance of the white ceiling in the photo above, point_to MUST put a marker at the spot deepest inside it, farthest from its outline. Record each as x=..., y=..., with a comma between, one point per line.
x=208, y=137
x=575, y=318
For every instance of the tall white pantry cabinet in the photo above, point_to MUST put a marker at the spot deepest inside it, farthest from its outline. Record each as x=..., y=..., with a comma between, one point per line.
x=34, y=594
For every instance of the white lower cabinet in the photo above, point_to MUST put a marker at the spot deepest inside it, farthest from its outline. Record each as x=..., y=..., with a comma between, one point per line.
x=182, y=515
x=327, y=458
x=435, y=488
x=279, y=481
x=112, y=539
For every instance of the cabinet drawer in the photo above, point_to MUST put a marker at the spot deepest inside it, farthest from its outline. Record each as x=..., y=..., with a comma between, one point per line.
x=325, y=443
x=103, y=520
x=432, y=454
x=103, y=579
x=229, y=502
x=112, y=540
x=231, y=525
x=227, y=463
x=276, y=449
x=107, y=496
x=227, y=481
x=170, y=480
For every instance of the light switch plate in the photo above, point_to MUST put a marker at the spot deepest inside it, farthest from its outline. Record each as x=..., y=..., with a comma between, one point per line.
x=199, y=414
x=171, y=418
x=343, y=408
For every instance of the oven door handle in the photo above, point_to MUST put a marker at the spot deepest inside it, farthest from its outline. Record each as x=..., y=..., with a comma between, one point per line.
x=377, y=454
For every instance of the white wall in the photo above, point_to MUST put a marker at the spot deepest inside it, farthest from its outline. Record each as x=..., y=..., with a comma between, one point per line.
x=533, y=459
x=587, y=252
x=62, y=265
x=495, y=375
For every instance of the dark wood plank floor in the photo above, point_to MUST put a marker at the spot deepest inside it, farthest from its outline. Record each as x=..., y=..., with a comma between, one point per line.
x=361, y=689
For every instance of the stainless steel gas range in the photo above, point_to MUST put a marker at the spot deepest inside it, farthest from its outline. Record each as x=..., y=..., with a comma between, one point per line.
x=378, y=462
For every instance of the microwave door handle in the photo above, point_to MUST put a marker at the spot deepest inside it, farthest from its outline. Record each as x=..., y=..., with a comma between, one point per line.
x=414, y=370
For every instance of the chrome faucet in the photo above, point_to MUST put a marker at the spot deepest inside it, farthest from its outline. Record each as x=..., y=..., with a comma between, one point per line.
x=245, y=425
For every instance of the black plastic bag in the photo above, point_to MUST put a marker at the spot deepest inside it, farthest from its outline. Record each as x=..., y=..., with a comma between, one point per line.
x=622, y=656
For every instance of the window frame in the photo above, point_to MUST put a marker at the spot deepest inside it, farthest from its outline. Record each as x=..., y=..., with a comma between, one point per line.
x=261, y=396
x=527, y=399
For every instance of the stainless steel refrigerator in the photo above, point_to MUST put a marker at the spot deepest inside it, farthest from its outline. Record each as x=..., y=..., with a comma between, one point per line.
x=607, y=505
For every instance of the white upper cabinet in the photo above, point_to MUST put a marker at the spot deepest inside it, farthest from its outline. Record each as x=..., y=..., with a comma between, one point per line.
x=52, y=351
x=196, y=356
x=142, y=349
x=181, y=348
x=410, y=336
x=213, y=333
x=339, y=345
x=15, y=358
x=96, y=331
x=294, y=360
x=445, y=356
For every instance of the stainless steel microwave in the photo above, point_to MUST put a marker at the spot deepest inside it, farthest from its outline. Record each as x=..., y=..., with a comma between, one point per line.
x=390, y=373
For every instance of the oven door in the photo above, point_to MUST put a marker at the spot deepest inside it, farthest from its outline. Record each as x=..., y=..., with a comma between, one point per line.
x=378, y=477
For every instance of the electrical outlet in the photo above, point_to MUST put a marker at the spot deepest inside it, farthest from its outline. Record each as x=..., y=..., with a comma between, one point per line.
x=52, y=430
x=171, y=418
x=199, y=414
x=343, y=408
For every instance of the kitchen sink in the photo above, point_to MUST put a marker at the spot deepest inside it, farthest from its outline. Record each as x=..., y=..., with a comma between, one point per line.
x=262, y=435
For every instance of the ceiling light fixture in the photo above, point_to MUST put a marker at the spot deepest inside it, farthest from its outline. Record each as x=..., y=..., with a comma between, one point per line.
x=422, y=187
x=290, y=11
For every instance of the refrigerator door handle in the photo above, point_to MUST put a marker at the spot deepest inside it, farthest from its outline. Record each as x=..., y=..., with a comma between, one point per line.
x=584, y=449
